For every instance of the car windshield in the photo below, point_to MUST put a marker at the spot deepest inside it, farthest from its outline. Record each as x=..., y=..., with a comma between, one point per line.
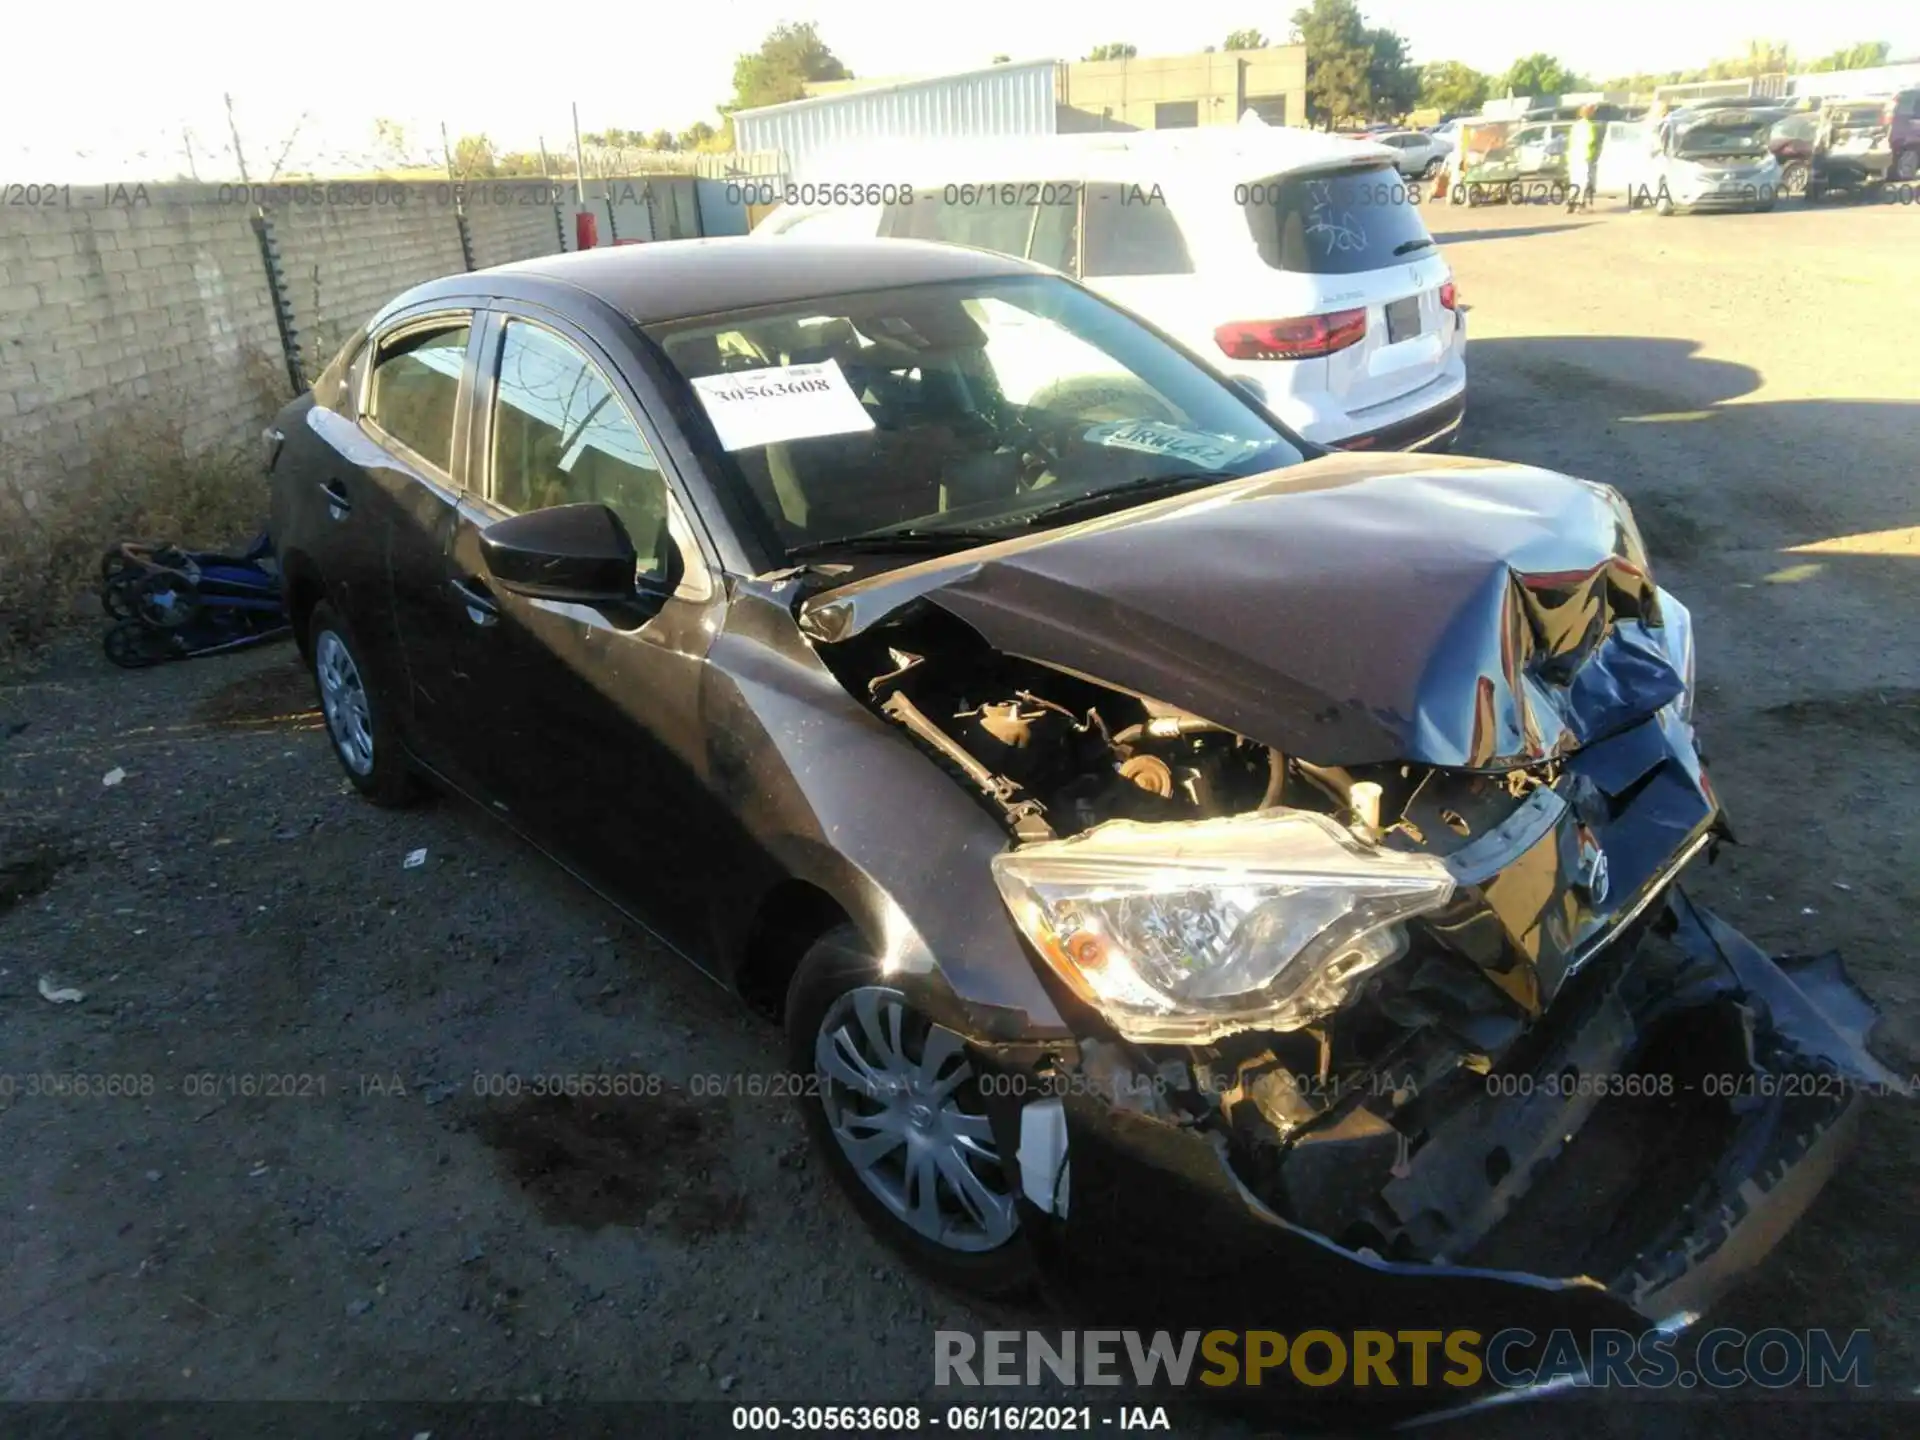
x=1723, y=134
x=956, y=412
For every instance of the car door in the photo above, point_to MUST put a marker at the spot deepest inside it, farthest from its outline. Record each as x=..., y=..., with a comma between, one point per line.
x=582, y=724
x=1625, y=161
x=394, y=483
x=1135, y=251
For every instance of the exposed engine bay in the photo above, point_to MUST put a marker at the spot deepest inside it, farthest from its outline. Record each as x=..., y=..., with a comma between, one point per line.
x=1383, y=1124
x=1059, y=755
x=1370, y=926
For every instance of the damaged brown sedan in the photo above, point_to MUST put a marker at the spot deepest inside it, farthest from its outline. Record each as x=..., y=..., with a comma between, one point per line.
x=1237, y=880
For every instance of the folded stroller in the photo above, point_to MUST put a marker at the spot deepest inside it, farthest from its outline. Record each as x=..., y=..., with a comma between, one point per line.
x=173, y=604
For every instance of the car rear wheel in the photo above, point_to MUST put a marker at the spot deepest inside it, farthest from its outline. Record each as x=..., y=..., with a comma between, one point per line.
x=1793, y=179
x=357, y=719
x=893, y=1104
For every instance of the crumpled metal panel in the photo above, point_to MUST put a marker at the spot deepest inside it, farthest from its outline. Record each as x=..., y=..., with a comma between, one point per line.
x=1350, y=610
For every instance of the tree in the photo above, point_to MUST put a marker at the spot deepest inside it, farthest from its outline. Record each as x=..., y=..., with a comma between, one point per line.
x=661, y=140
x=473, y=158
x=393, y=146
x=1113, y=52
x=1340, y=60
x=697, y=135
x=787, y=61
x=1864, y=56
x=1452, y=88
x=1392, y=79
x=1003, y=59
x=1762, y=57
x=1245, y=40
x=1539, y=74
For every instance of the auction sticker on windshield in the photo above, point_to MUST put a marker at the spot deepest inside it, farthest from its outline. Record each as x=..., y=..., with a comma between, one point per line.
x=781, y=402
x=1155, y=437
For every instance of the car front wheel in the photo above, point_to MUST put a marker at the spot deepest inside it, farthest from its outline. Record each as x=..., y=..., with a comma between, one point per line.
x=893, y=1105
x=1793, y=179
x=357, y=719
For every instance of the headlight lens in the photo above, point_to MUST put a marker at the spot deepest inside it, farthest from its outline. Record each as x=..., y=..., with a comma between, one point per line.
x=1187, y=932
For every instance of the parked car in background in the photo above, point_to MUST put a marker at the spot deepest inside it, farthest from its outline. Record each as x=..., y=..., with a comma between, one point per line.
x=1294, y=261
x=1076, y=777
x=1865, y=141
x=1710, y=160
x=1418, y=153
x=1791, y=140
x=1526, y=154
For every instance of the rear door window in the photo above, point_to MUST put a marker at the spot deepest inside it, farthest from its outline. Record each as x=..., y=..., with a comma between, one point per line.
x=992, y=221
x=1131, y=231
x=416, y=385
x=1025, y=219
x=1334, y=224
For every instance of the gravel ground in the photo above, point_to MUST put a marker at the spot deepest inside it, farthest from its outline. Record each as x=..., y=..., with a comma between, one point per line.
x=307, y=1199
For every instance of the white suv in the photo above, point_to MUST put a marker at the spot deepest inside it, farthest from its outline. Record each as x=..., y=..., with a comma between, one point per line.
x=1293, y=260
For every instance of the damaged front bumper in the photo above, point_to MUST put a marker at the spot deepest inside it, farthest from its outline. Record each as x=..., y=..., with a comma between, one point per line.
x=1669, y=1118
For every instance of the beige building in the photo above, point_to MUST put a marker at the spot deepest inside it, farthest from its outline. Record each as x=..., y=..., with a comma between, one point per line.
x=1159, y=92
x=1170, y=92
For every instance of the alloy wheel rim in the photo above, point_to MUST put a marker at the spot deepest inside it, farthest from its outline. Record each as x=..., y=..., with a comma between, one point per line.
x=897, y=1090
x=343, y=699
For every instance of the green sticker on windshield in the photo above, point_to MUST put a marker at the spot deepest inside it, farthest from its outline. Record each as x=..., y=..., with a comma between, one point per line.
x=1190, y=447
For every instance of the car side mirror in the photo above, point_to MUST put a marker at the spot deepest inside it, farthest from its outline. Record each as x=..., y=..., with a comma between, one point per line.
x=580, y=553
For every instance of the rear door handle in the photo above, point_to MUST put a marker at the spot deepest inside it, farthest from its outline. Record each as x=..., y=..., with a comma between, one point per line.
x=481, y=607
x=337, y=502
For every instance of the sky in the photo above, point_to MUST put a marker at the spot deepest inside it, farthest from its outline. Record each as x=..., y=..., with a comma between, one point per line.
x=140, y=87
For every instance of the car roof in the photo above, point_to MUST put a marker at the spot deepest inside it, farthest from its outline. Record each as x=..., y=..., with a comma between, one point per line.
x=1226, y=153
x=678, y=279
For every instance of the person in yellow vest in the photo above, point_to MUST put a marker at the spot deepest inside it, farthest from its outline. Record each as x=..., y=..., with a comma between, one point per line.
x=1583, y=160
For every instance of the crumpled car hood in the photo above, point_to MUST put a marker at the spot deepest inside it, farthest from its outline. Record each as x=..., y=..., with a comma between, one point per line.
x=1351, y=610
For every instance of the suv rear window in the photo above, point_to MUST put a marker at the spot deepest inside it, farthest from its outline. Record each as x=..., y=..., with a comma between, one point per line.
x=1338, y=223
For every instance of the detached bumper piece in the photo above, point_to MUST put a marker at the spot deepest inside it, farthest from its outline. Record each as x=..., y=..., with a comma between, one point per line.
x=1650, y=1139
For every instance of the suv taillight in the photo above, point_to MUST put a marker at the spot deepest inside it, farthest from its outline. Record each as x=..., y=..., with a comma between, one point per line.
x=1449, y=297
x=1303, y=338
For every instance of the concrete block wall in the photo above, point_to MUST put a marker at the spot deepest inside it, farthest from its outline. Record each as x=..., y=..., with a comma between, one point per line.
x=113, y=303
x=103, y=309
x=343, y=262
x=511, y=221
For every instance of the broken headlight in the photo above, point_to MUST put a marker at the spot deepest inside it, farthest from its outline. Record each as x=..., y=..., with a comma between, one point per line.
x=1187, y=932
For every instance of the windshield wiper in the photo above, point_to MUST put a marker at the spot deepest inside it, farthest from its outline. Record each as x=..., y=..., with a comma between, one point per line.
x=1407, y=247
x=1118, y=496
x=905, y=539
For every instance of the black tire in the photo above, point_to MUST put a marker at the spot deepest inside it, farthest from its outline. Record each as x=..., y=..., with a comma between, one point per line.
x=840, y=961
x=389, y=779
x=1906, y=166
x=132, y=646
x=1793, y=179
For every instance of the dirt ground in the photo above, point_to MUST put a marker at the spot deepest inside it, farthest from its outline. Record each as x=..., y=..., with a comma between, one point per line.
x=356, y=1222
